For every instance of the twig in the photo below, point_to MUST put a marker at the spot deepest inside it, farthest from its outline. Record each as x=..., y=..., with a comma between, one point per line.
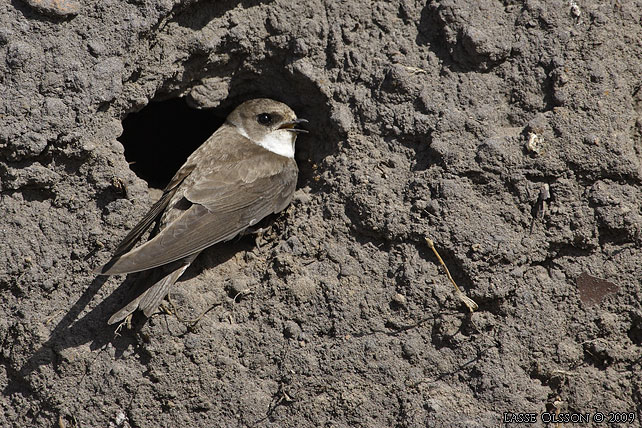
x=470, y=303
x=191, y=323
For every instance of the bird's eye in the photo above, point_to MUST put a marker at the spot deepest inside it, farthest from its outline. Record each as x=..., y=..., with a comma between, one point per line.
x=264, y=119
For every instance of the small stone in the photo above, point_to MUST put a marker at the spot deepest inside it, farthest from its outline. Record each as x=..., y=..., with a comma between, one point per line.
x=236, y=288
x=399, y=299
x=291, y=330
x=534, y=143
x=575, y=10
x=96, y=48
x=55, y=7
x=409, y=351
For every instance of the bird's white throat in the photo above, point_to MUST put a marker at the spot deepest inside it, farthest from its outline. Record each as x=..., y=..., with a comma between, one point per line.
x=279, y=141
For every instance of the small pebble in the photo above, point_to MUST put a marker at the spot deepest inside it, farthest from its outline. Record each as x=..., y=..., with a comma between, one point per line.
x=55, y=7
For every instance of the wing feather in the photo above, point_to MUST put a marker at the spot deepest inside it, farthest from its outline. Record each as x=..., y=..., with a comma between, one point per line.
x=152, y=215
x=222, y=208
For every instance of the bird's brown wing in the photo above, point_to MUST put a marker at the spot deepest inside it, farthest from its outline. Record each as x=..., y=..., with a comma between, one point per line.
x=226, y=201
x=152, y=215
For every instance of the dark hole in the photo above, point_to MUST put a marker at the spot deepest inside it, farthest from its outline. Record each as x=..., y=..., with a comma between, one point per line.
x=159, y=138
x=635, y=332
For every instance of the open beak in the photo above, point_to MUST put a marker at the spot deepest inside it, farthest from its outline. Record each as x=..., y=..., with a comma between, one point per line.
x=290, y=126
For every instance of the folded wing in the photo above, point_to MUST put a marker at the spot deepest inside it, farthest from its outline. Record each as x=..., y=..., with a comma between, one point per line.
x=225, y=201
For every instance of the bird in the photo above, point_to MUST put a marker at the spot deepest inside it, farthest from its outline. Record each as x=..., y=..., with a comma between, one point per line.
x=244, y=172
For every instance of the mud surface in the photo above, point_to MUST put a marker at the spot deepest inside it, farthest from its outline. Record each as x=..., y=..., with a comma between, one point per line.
x=508, y=132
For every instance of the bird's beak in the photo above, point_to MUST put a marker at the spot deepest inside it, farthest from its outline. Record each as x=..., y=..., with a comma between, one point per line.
x=290, y=126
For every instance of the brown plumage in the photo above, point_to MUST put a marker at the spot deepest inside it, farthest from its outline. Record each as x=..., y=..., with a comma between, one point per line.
x=244, y=172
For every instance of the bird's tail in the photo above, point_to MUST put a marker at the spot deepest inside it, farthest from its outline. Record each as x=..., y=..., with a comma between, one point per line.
x=150, y=298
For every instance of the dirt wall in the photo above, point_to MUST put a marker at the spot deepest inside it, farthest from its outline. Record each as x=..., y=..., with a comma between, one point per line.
x=508, y=132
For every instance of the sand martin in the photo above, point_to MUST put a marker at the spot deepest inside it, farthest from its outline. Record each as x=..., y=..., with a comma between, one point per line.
x=244, y=172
